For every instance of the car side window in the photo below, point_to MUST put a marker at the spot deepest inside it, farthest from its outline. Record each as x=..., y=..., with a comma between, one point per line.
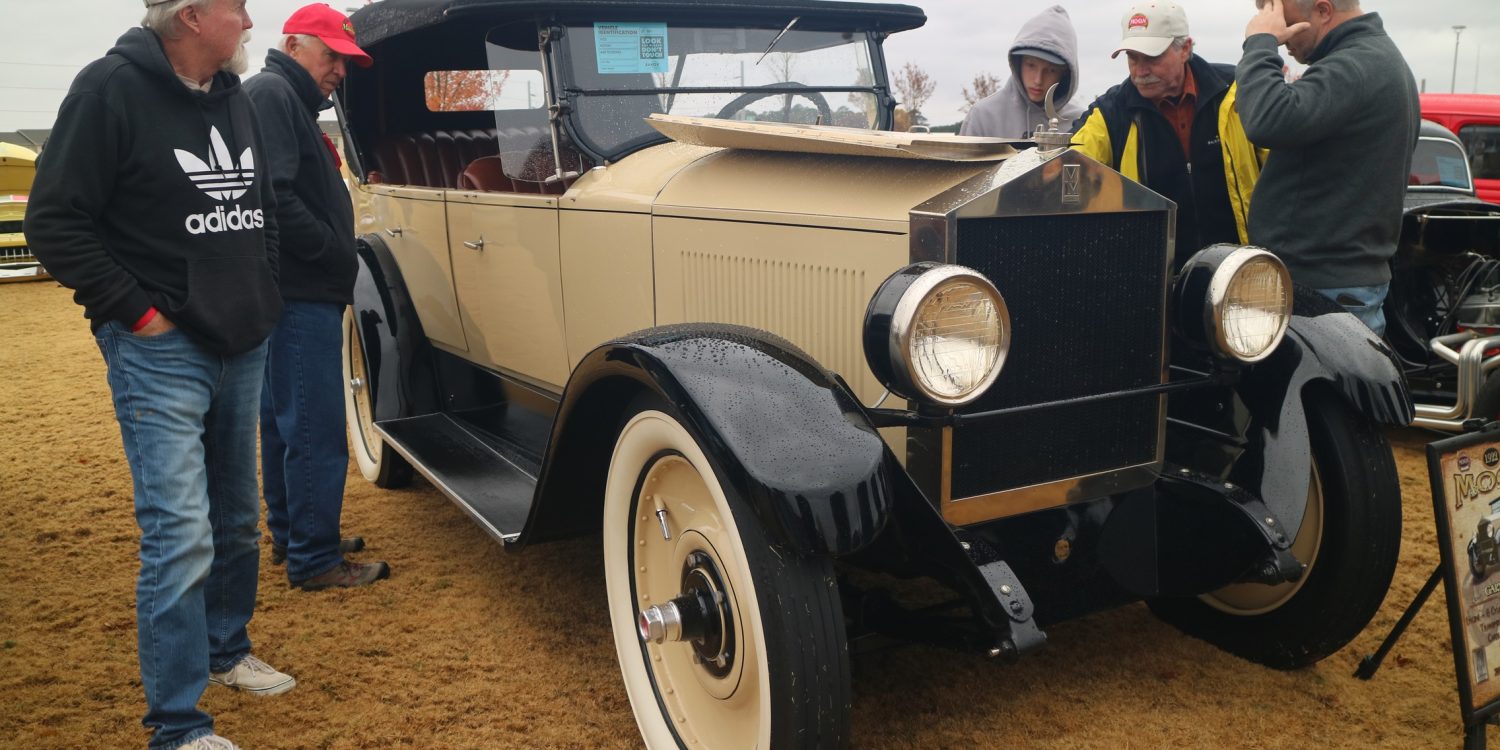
x=1482, y=142
x=1439, y=162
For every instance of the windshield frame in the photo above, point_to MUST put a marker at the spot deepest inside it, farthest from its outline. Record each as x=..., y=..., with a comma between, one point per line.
x=566, y=92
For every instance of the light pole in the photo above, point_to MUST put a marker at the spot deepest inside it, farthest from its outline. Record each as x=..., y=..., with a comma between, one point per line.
x=1458, y=31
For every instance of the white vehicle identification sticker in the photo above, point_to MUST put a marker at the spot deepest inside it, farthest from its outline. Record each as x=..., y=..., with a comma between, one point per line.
x=630, y=47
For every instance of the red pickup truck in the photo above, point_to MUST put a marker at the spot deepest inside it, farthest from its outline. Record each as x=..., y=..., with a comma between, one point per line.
x=1475, y=118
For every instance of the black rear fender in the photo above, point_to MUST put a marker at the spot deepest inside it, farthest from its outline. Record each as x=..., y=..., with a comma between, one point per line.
x=403, y=382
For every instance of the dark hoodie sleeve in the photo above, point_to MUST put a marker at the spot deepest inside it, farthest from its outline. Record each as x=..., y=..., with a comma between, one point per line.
x=75, y=177
x=270, y=231
x=1277, y=114
x=301, y=232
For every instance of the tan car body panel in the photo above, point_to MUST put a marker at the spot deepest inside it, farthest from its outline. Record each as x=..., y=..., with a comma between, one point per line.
x=507, y=272
x=845, y=192
x=790, y=242
x=414, y=223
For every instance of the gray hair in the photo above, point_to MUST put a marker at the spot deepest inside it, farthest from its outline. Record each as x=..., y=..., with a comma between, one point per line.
x=161, y=17
x=1180, y=42
x=286, y=41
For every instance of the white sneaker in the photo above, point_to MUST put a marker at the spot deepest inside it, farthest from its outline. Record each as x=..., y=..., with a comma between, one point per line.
x=209, y=742
x=254, y=677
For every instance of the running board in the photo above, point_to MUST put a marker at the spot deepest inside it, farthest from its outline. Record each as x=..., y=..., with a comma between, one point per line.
x=492, y=489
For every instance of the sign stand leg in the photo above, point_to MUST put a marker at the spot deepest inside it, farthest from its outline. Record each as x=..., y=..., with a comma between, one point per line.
x=1474, y=736
x=1371, y=663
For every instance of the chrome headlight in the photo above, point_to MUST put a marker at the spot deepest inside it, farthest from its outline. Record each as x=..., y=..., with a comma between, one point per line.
x=1236, y=300
x=937, y=333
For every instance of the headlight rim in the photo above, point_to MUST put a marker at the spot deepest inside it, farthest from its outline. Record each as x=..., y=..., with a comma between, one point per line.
x=902, y=327
x=1216, y=298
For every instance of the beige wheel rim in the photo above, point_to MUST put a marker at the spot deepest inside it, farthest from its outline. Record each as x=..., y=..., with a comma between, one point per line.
x=358, y=409
x=1249, y=599
x=681, y=699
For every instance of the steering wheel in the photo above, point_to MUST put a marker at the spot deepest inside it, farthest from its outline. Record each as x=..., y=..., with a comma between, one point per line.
x=749, y=97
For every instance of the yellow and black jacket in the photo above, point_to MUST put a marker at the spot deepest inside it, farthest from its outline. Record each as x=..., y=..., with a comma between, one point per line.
x=1212, y=191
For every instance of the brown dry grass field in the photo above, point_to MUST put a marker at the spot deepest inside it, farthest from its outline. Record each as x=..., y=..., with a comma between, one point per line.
x=467, y=646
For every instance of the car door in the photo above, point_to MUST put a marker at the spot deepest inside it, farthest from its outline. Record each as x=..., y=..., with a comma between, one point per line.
x=508, y=280
x=413, y=223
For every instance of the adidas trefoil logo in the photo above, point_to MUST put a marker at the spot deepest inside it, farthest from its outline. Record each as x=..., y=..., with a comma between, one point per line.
x=222, y=180
x=219, y=178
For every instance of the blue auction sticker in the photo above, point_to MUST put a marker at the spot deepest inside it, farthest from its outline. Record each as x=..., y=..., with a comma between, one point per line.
x=630, y=47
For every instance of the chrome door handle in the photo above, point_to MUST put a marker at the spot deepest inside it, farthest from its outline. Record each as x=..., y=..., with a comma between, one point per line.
x=475, y=245
x=393, y=232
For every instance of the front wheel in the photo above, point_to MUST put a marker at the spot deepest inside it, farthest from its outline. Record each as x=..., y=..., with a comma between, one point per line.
x=1349, y=539
x=752, y=651
x=377, y=461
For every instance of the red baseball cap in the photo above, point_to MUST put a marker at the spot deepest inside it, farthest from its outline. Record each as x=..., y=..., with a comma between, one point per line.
x=331, y=27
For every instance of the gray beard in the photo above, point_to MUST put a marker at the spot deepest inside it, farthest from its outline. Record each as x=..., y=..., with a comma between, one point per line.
x=239, y=63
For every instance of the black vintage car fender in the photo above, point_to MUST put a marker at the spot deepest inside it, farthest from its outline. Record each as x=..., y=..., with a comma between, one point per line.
x=774, y=424
x=402, y=381
x=1326, y=345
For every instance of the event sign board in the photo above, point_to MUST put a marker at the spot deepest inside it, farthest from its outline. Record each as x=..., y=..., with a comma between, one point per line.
x=1465, y=473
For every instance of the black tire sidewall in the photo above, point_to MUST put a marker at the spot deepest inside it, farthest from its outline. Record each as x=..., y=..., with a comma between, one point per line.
x=1356, y=558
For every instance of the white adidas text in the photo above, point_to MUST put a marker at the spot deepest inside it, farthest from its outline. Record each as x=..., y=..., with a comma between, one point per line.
x=234, y=220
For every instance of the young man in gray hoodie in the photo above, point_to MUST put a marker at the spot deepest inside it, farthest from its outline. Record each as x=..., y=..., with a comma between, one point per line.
x=1044, y=52
x=1329, y=198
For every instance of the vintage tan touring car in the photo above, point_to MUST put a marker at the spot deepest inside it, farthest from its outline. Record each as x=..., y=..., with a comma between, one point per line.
x=657, y=272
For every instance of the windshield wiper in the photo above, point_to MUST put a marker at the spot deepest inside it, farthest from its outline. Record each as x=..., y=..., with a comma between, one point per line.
x=772, y=45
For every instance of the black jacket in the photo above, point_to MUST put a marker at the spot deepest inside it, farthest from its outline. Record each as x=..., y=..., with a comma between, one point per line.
x=147, y=194
x=1329, y=200
x=313, y=211
x=1198, y=187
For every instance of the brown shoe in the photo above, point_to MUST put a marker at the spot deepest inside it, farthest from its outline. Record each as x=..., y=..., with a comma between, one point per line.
x=345, y=575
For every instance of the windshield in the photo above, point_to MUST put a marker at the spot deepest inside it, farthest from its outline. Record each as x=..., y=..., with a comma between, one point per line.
x=1439, y=163
x=618, y=73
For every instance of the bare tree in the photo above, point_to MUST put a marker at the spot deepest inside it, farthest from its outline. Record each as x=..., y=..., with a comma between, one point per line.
x=783, y=67
x=914, y=87
x=984, y=85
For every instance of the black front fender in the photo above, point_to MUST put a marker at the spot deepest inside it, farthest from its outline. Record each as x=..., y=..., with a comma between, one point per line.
x=1326, y=345
x=778, y=428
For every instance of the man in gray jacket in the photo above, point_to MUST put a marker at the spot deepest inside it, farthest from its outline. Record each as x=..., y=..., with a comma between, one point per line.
x=1045, y=52
x=1341, y=137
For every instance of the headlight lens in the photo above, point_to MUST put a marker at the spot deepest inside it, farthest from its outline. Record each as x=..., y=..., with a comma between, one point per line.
x=937, y=332
x=1250, y=303
x=957, y=339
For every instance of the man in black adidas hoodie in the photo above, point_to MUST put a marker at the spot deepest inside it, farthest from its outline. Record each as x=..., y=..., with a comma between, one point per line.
x=303, y=450
x=149, y=204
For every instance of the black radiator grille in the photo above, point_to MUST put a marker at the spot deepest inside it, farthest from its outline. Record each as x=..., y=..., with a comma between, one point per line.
x=1085, y=293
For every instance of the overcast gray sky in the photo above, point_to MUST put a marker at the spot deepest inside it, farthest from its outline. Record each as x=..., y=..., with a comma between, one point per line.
x=47, y=41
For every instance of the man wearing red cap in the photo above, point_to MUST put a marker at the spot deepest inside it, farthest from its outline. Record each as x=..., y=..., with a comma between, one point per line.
x=304, y=455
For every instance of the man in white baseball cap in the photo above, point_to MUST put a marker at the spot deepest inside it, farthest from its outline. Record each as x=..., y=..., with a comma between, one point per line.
x=1175, y=113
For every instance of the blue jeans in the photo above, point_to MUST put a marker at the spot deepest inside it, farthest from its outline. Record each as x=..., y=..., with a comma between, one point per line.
x=304, y=452
x=1364, y=302
x=187, y=420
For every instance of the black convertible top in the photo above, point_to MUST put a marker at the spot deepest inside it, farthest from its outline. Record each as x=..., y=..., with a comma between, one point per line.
x=387, y=18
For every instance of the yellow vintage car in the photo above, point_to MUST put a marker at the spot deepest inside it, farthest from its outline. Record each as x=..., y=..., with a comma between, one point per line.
x=17, y=168
x=658, y=272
